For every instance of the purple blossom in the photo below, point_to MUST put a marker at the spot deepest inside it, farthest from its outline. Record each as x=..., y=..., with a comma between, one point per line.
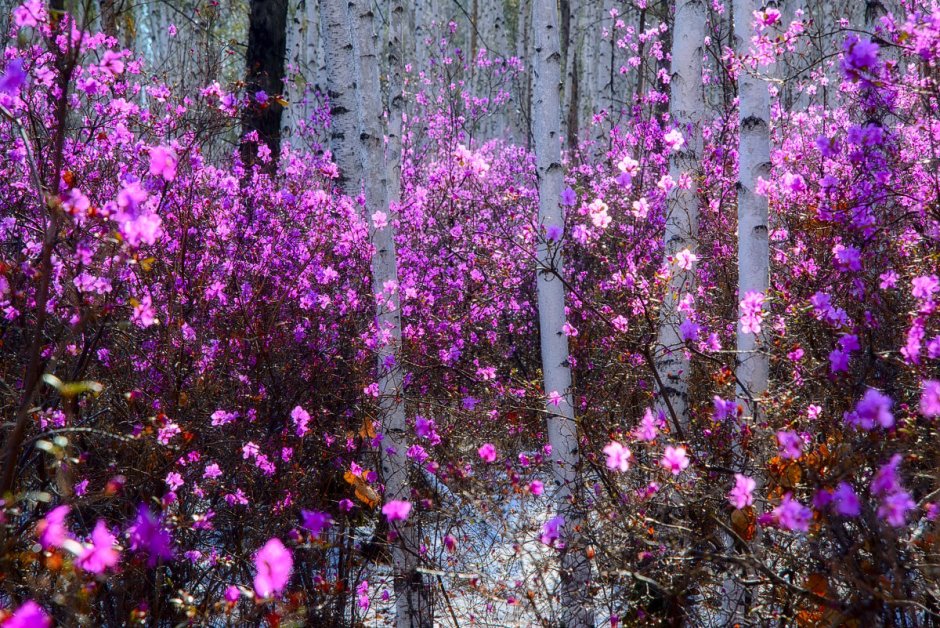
x=51, y=528
x=551, y=530
x=274, y=565
x=396, y=510
x=148, y=535
x=100, y=554
x=12, y=78
x=930, y=399
x=792, y=515
x=741, y=495
x=618, y=456
x=28, y=615
x=315, y=521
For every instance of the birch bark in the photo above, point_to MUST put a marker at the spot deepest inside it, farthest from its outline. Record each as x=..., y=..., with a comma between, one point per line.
x=562, y=428
x=686, y=106
x=412, y=608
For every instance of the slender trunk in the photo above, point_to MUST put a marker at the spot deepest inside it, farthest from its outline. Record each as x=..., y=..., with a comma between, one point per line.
x=686, y=106
x=341, y=90
x=753, y=365
x=267, y=43
x=753, y=251
x=303, y=63
x=411, y=605
x=562, y=428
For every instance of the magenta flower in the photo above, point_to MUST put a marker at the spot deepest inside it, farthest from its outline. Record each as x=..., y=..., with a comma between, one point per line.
x=274, y=565
x=100, y=554
x=874, y=408
x=724, y=409
x=551, y=530
x=396, y=510
x=487, y=452
x=536, y=487
x=751, y=307
x=930, y=399
x=741, y=495
x=674, y=459
x=648, y=428
x=859, y=55
x=886, y=480
x=894, y=508
x=845, y=501
x=792, y=515
x=148, y=535
x=790, y=444
x=51, y=528
x=301, y=418
x=232, y=594
x=29, y=615
x=316, y=521
x=618, y=456
x=12, y=78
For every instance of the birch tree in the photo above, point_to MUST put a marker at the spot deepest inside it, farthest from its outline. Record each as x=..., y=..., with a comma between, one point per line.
x=753, y=252
x=411, y=604
x=341, y=91
x=687, y=102
x=562, y=429
x=304, y=60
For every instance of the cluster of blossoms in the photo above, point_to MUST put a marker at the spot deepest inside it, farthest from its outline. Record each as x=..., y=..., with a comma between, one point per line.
x=207, y=329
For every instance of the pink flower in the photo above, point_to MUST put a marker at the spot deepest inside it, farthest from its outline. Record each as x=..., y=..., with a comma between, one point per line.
x=685, y=259
x=894, y=508
x=792, y=515
x=741, y=495
x=618, y=456
x=930, y=399
x=790, y=443
x=100, y=554
x=396, y=510
x=29, y=615
x=51, y=528
x=148, y=535
x=232, y=594
x=874, y=408
x=551, y=531
x=674, y=460
x=536, y=487
x=380, y=220
x=301, y=418
x=274, y=565
x=30, y=13
x=845, y=500
x=674, y=140
x=143, y=314
x=648, y=428
x=315, y=521
x=751, y=308
x=555, y=398
x=724, y=409
x=163, y=162
x=487, y=452
x=174, y=480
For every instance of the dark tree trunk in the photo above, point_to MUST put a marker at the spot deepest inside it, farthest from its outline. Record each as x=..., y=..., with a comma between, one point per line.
x=267, y=48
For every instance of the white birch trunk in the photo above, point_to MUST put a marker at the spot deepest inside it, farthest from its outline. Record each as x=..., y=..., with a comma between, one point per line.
x=303, y=65
x=753, y=365
x=686, y=106
x=412, y=607
x=562, y=428
x=753, y=250
x=341, y=91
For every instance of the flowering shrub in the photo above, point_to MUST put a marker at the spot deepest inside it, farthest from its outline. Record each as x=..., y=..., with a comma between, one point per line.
x=189, y=380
